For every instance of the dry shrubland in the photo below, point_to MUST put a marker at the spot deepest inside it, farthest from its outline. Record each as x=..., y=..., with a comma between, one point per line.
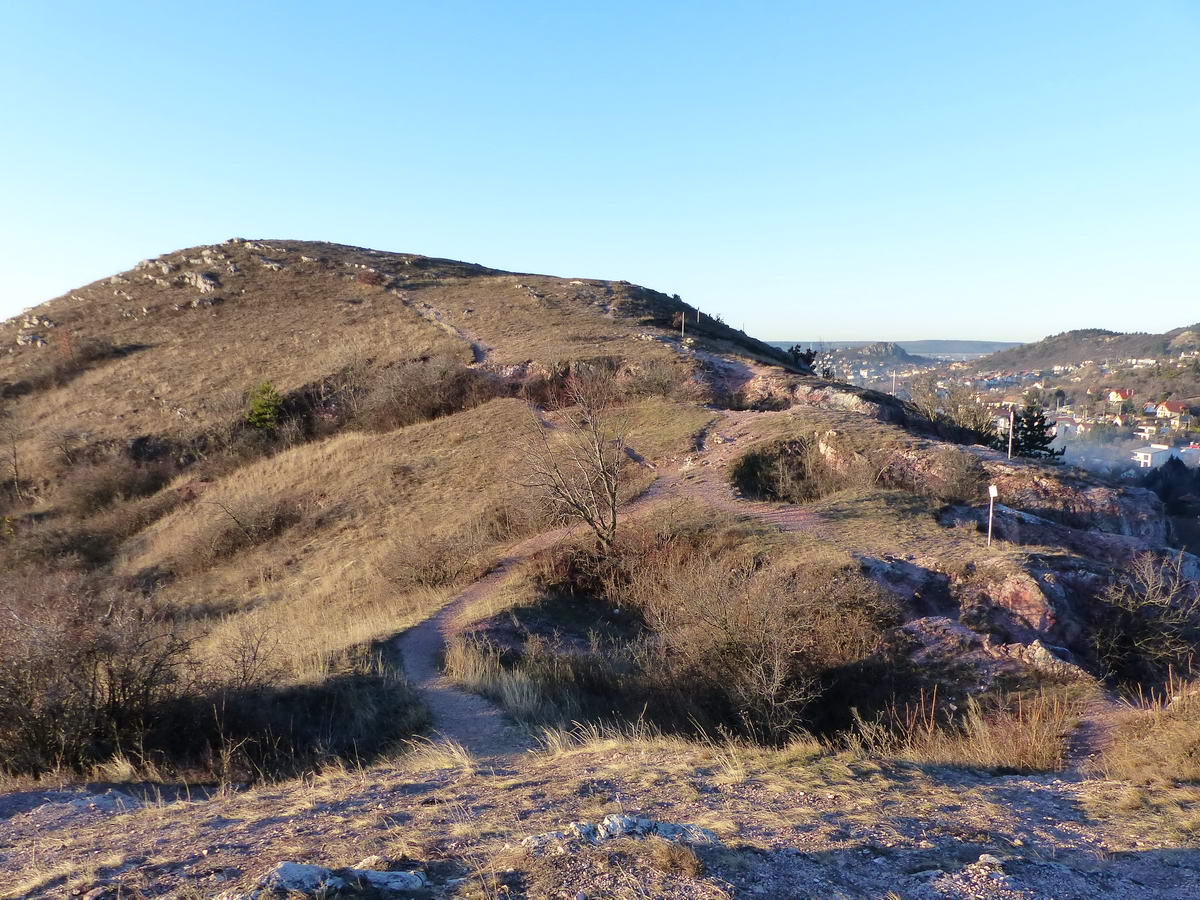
x=685, y=622
x=420, y=390
x=91, y=670
x=1146, y=623
x=270, y=568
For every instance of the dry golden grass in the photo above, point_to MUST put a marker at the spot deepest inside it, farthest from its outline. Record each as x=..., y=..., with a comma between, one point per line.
x=1154, y=754
x=1157, y=740
x=69, y=878
x=333, y=579
x=192, y=367
x=1023, y=733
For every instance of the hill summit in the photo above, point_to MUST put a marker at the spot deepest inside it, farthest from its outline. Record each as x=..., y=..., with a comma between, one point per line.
x=164, y=345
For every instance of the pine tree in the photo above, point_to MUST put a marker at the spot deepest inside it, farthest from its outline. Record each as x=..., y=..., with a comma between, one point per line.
x=266, y=407
x=1030, y=437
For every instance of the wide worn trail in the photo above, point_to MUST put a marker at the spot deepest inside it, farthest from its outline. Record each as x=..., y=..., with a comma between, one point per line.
x=480, y=726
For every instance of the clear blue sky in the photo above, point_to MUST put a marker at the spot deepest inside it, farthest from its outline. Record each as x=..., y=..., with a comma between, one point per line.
x=813, y=170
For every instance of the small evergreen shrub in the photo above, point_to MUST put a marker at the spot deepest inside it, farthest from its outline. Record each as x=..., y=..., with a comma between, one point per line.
x=265, y=407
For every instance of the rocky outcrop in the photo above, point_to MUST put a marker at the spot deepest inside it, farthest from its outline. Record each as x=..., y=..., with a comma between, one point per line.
x=1017, y=527
x=615, y=826
x=770, y=388
x=1044, y=597
x=1075, y=498
x=950, y=651
x=204, y=282
x=290, y=879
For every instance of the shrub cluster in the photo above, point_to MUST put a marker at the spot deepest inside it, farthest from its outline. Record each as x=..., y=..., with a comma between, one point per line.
x=420, y=390
x=1146, y=623
x=90, y=671
x=792, y=471
x=709, y=636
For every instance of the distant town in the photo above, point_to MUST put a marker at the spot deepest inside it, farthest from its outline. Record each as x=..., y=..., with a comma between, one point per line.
x=1115, y=415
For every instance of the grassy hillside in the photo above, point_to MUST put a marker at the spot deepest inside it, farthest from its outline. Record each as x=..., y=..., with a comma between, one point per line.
x=171, y=347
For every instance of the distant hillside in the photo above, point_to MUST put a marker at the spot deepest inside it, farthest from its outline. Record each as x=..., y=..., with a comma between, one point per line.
x=887, y=353
x=1095, y=344
x=922, y=348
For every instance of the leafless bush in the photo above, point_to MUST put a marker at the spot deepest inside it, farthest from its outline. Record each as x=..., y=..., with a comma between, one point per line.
x=659, y=378
x=237, y=527
x=249, y=658
x=795, y=471
x=1148, y=621
x=68, y=444
x=726, y=624
x=953, y=404
x=89, y=671
x=721, y=640
x=421, y=390
x=947, y=474
x=958, y=477
x=88, y=489
x=432, y=561
x=84, y=671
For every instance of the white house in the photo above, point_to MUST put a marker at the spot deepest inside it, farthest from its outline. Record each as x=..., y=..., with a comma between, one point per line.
x=1066, y=426
x=1152, y=457
x=1147, y=432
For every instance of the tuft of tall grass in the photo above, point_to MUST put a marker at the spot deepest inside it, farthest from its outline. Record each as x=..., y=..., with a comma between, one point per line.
x=1010, y=733
x=1156, y=738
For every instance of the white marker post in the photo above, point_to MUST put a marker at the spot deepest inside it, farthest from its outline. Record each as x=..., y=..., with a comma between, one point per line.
x=992, y=494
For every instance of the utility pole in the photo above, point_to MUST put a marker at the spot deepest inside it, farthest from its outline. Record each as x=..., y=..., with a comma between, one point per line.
x=893, y=382
x=1012, y=426
x=992, y=493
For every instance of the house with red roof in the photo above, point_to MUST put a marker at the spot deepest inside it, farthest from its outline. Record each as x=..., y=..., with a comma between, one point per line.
x=1178, y=413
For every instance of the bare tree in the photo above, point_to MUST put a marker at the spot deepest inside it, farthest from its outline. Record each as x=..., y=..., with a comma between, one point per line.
x=574, y=465
x=10, y=434
x=954, y=403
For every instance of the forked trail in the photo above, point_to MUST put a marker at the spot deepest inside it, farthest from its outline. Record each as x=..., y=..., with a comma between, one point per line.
x=479, y=725
x=484, y=730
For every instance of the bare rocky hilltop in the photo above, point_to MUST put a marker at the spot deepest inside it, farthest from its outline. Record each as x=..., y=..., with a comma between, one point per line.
x=309, y=589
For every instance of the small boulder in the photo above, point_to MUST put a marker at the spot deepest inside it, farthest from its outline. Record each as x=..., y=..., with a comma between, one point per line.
x=298, y=878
